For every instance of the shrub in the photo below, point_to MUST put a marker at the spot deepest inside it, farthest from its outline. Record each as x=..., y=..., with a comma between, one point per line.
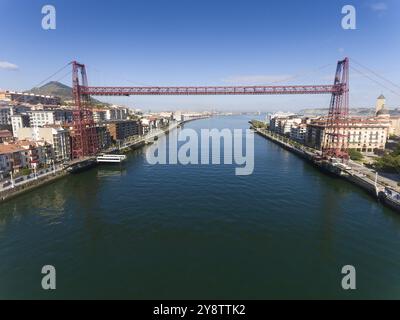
x=355, y=155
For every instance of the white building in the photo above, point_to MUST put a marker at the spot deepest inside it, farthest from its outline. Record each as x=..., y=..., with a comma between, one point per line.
x=363, y=134
x=99, y=115
x=57, y=137
x=12, y=158
x=271, y=116
x=19, y=121
x=112, y=113
x=5, y=114
x=298, y=132
x=283, y=125
x=116, y=113
x=40, y=118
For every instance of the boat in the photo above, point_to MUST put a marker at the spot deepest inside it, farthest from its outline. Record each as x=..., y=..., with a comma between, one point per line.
x=390, y=198
x=111, y=158
x=81, y=166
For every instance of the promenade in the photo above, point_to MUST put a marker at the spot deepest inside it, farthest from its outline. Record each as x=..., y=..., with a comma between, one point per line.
x=12, y=187
x=352, y=171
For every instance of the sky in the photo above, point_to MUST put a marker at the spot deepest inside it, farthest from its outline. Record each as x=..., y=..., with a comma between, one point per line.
x=176, y=42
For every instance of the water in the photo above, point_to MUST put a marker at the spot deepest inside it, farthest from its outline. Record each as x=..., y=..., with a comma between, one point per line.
x=186, y=232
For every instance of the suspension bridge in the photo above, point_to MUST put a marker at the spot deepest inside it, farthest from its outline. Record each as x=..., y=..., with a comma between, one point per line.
x=84, y=136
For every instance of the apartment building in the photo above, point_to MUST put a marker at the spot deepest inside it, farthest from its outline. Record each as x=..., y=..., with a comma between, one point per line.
x=19, y=121
x=40, y=118
x=120, y=130
x=110, y=114
x=30, y=98
x=57, y=137
x=103, y=137
x=5, y=114
x=5, y=136
x=283, y=125
x=364, y=135
x=99, y=115
x=298, y=132
x=12, y=158
x=116, y=113
x=271, y=116
x=35, y=153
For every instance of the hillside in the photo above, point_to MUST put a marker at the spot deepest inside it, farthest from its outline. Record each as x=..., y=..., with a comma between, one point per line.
x=312, y=112
x=54, y=88
x=358, y=112
x=58, y=89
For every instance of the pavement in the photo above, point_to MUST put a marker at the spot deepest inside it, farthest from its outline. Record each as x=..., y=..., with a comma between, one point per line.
x=7, y=185
x=372, y=174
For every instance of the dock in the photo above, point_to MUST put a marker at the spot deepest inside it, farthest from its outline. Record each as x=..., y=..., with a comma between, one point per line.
x=111, y=158
x=371, y=185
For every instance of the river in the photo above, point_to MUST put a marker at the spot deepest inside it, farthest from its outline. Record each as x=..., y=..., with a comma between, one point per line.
x=200, y=232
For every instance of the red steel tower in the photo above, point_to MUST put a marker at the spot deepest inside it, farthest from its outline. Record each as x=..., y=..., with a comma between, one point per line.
x=84, y=135
x=336, y=137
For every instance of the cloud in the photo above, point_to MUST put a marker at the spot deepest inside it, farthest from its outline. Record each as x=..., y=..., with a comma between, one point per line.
x=378, y=6
x=8, y=65
x=257, y=79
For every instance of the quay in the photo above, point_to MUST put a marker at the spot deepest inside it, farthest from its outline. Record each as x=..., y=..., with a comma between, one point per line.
x=23, y=187
x=79, y=165
x=382, y=191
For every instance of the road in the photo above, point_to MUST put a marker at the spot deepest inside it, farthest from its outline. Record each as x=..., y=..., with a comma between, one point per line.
x=371, y=174
x=7, y=184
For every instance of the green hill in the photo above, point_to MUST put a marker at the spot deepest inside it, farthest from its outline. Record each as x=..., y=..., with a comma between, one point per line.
x=58, y=89
x=54, y=88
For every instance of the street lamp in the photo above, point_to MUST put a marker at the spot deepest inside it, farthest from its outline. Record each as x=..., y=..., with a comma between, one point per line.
x=12, y=180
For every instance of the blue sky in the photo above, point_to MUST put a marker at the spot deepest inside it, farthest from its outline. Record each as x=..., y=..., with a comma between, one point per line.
x=204, y=43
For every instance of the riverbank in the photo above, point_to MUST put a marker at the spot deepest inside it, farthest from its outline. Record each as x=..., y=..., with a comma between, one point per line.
x=31, y=185
x=380, y=191
x=80, y=165
x=271, y=229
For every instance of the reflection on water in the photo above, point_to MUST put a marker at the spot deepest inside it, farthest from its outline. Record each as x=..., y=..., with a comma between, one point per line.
x=109, y=171
x=143, y=231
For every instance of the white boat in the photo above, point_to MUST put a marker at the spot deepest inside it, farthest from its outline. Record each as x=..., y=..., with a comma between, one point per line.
x=111, y=158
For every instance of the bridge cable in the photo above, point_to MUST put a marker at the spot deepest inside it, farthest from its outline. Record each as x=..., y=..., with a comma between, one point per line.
x=377, y=82
x=303, y=74
x=61, y=78
x=376, y=74
x=102, y=74
x=55, y=73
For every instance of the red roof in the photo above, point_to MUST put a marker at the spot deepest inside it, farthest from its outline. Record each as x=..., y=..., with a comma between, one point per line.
x=5, y=134
x=10, y=148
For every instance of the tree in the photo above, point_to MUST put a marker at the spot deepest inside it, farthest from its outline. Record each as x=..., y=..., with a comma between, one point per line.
x=355, y=155
x=390, y=162
x=258, y=124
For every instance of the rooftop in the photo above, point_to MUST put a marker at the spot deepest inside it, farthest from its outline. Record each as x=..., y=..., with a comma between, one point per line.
x=5, y=134
x=10, y=148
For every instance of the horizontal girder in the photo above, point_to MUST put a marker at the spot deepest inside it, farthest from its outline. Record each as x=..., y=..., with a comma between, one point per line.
x=229, y=90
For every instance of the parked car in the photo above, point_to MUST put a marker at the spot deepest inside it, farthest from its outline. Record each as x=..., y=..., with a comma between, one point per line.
x=19, y=179
x=6, y=184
